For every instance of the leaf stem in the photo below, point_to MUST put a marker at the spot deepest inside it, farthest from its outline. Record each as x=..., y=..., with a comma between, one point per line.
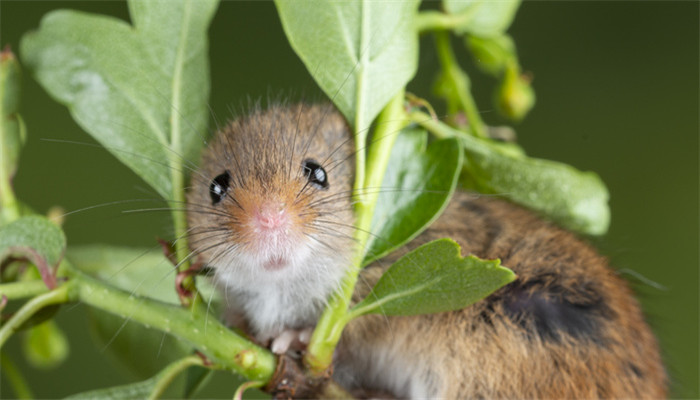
x=460, y=83
x=14, y=376
x=238, y=395
x=437, y=128
x=391, y=120
x=20, y=290
x=436, y=20
x=56, y=296
x=168, y=374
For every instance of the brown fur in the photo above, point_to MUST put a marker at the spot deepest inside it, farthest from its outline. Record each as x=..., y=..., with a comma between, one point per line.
x=482, y=352
x=568, y=327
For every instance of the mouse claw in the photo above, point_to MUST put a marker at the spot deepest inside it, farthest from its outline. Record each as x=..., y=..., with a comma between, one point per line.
x=305, y=335
x=281, y=343
x=291, y=339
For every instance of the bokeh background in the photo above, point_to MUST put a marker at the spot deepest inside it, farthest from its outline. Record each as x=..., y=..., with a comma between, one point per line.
x=617, y=93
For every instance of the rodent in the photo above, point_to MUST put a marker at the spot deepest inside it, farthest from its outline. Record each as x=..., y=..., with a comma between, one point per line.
x=270, y=209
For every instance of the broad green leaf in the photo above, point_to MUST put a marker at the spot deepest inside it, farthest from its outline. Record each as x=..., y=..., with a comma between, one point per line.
x=485, y=17
x=45, y=345
x=37, y=239
x=12, y=133
x=141, y=272
x=417, y=186
x=577, y=200
x=361, y=53
x=433, y=278
x=141, y=90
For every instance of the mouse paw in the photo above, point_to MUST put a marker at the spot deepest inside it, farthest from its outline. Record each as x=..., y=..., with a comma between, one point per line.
x=291, y=339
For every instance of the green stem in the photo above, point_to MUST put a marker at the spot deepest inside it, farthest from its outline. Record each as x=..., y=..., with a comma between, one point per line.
x=168, y=374
x=14, y=376
x=21, y=290
x=56, y=296
x=436, y=20
x=437, y=128
x=391, y=120
x=202, y=331
x=459, y=80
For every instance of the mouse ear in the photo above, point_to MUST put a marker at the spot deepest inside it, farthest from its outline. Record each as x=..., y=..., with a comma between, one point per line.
x=219, y=186
x=315, y=173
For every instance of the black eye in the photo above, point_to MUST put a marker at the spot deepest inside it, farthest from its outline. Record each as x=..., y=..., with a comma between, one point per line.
x=219, y=187
x=315, y=174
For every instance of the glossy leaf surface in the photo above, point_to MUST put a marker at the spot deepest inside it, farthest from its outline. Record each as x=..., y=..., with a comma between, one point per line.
x=577, y=200
x=141, y=90
x=416, y=188
x=361, y=53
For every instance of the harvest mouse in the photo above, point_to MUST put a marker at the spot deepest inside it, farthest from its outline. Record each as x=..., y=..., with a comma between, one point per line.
x=270, y=210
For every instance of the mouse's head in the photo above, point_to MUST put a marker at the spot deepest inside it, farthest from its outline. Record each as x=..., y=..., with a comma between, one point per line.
x=272, y=197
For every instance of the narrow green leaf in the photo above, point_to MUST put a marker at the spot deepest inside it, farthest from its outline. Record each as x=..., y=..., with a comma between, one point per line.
x=577, y=200
x=361, y=53
x=142, y=272
x=416, y=188
x=140, y=90
x=12, y=134
x=486, y=17
x=37, y=239
x=433, y=278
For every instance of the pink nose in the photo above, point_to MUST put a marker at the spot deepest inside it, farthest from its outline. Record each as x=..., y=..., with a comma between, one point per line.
x=271, y=216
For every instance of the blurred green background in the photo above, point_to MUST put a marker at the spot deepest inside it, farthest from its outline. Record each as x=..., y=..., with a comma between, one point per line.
x=617, y=93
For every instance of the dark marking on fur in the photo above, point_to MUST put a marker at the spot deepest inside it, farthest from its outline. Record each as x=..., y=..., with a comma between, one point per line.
x=550, y=310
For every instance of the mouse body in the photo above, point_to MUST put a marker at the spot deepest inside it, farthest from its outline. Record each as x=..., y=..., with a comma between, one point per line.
x=567, y=327
x=270, y=211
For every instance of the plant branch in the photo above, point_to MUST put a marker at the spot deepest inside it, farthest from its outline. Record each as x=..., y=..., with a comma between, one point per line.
x=391, y=120
x=56, y=296
x=208, y=335
x=459, y=82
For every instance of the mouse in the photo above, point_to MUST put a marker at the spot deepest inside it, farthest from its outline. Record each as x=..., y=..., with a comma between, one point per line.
x=270, y=212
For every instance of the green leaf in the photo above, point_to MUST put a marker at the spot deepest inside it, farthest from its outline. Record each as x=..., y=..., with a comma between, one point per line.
x=486, y=17
x=196, y=378
x=416, y=188
x=12, y=133
x=149, y=388
x=433, y=278
x=39, y=240
x=361, y=53
x=140, y=90
x=577, y=200
x=141, y=350
x=45, y=345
